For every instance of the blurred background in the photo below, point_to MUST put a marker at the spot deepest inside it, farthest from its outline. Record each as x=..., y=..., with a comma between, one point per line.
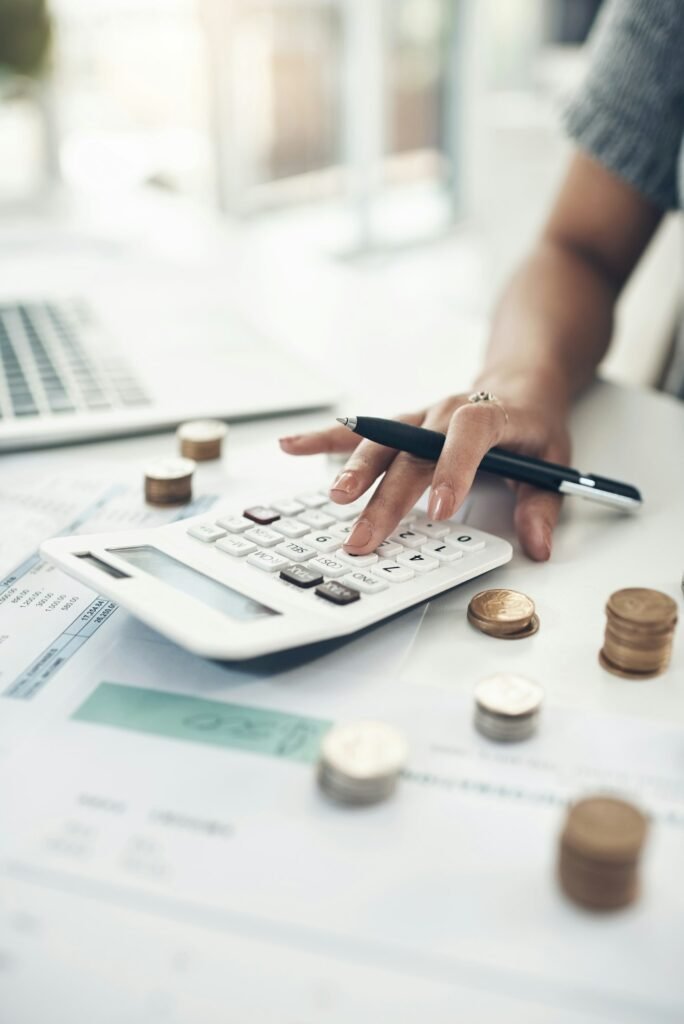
x=374, y=131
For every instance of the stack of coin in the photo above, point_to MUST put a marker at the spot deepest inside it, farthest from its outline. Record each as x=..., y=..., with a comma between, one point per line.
x=599, y=852
x=360, y=762
x=201, y=439
x=169, y=482
x=507, y=707
x=640, y=626
x=505, y=614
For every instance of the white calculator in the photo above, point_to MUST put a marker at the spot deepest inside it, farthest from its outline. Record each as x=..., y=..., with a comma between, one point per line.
x=272, y=576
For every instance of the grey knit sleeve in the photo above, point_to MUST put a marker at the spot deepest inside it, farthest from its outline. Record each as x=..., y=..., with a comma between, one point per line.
x=629, y=112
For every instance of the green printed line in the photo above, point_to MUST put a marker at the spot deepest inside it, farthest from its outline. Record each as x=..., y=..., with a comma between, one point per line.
x=236, y=726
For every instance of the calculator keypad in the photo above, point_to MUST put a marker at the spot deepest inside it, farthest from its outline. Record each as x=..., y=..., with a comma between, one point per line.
x=302, y=540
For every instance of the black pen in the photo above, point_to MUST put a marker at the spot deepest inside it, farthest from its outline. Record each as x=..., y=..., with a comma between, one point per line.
x=428, y=444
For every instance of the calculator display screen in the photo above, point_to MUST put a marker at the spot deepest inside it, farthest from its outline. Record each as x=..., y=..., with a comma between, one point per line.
x=179, y=575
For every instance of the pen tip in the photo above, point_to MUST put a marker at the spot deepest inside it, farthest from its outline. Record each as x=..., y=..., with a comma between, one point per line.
x=343, y=420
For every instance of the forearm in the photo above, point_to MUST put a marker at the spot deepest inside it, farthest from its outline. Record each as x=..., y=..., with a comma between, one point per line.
x=551, y=328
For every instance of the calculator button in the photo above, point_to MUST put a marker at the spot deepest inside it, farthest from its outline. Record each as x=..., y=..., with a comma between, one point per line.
x=316, y=520
x=313, y=500
x=295, y=552
x=328, y=566
x=391, y=571
x=268, y=561
x=324, y=542
x=430, y=528
x=388, y=549
x=409, y=537
x=342, y=530
x=290, y=528
x=468, y=540
x=301, y=576
x=234, y=524
x=289, y=507
x=341, y=513
x=337, y=592
x=364, y=582
x=417, y=561
x=264, y=537
x=206, y=532
x=358, y=561
x=237, y=546
x=442, y=550
x=261, y=514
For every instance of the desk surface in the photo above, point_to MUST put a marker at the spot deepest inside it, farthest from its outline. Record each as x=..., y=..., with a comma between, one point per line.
x=440, y=903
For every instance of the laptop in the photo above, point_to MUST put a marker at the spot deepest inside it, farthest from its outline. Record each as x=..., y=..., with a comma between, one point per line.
x=69, y=373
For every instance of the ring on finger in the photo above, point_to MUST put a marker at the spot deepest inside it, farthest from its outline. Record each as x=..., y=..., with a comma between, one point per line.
x=490, y=398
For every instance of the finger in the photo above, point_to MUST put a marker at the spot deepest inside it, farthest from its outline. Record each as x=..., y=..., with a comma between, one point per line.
x=405, y=480
x=473, y=430
x=536, y=511
x=337, y=439
x=536, y=514
x=368, y=461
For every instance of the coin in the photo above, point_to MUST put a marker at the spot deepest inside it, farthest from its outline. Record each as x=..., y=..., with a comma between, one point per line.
x=169, y=481
x=528, y=630
x=599, y=850
x=606, y=828
x=360, y=761
x=509, y=609
x=640, y=626
x=507, y=707
x=201, y=439
x=641, y=606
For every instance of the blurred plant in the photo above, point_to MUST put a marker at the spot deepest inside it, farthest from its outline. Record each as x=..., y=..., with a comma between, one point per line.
x=25, y=34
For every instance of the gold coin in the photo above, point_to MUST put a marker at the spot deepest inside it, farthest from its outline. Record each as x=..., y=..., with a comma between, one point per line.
x=642, y=607
x=493, y=630
x=604, y=828
x=507, y=608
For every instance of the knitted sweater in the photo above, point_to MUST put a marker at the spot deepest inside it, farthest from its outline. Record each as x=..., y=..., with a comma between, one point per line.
x=629, y=112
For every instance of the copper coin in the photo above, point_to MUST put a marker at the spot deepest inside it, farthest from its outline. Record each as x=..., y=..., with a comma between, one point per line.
x=642, y=606
x=625, y=673
x=605, y=828
x=491, y=630
x=509, y=608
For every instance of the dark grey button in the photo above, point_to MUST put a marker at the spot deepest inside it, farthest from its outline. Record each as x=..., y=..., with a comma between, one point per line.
x=301, y=576
x=337, y=592
x=260, y=514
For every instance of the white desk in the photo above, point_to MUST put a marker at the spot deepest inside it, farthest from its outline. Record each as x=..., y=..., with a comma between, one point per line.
x=267, y=943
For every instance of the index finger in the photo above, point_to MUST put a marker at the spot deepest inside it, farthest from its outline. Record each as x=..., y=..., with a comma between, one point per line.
x=336, y=439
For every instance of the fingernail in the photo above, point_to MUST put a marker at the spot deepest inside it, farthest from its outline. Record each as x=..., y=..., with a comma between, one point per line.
x=546, y=542
x=441, y=503
x=345, y=482
x=541, y=543
x=290, y=439
x=360, y=535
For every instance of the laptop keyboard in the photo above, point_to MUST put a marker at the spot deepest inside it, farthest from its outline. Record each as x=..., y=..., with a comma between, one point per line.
x=54, y=360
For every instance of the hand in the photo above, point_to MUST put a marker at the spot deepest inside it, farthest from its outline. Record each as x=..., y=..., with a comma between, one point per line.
x=533, y=428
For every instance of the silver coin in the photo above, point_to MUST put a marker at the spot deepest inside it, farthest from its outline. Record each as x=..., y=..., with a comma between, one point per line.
x=360, y=762
x=509, y=695
x=505, y=729
x=170, y=469
x=200, y=431
x=364, y=750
